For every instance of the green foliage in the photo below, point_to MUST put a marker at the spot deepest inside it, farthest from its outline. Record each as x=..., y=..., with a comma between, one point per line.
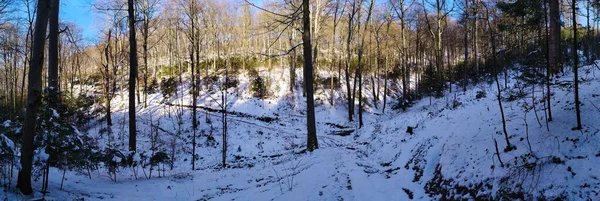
x=76, y=109
x=210, y=141
x=112, y=159
x=403, y=104
x=91, y=80
x=230, y=82
x=168, y=87
x=258, y=87
x=530, y=13
x=8, y=152
x=170, y=71
x=58, y=139
x=530, y=75
x=458, y=72
x=152, y=87
x=158, y=158
x=429, y=84
x=325, y=82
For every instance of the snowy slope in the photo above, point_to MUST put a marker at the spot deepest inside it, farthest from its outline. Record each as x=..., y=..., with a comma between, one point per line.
x=451, y=153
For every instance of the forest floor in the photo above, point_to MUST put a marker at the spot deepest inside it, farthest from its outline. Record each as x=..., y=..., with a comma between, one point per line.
x=451, y=154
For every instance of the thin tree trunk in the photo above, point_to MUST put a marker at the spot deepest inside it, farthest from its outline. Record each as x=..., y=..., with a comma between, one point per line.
x=466, y=38
x=575, y=65
x=509, y=147
x=548, y=64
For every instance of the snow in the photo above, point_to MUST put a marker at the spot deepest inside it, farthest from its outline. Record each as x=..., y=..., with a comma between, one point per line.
x=6, y=123
x=41, y=155
x=54, y=113
x=5, y=141
x=379, y=161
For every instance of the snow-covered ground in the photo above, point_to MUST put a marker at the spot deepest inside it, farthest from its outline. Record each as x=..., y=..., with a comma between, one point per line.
x=450, y=155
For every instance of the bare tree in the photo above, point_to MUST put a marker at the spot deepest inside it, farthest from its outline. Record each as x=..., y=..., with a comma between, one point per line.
x=147, y=10
x=192, y=11
x=493, y=36
x=360, y=63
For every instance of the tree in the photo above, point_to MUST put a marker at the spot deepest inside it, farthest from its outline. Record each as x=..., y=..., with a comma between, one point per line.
x=132, y=75
x=191, y=11
x=349, y=90
x=575, y=64
x=311, y=142
x=466, y=39
x=549, y=65
x=53, y=48
x=400, y=11
x=492, y=31
x=555, y=51
x=360, y=65
x=34, y=97
x=148, y=9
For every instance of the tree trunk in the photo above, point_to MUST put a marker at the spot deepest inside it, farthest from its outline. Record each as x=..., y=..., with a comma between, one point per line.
x=575, y=63
x=292, y=62
x=466, y=35
x=34, y=97
x=145, y=55
x=349, y=90
x=311, y=143
x=53, y=49
x=132, y=75
x=509, y=147
x=475, y=35
x=548, y=63
x=555, y=24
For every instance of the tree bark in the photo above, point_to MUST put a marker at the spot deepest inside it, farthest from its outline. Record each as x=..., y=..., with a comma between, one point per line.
x=311, y=143
x=132, y=75
x=53, y=48
x=555, y=24
x=575, y=65
x=548, y=63
x=34, y=98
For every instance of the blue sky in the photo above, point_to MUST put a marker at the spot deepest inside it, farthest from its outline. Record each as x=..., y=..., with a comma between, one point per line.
x=80, y=12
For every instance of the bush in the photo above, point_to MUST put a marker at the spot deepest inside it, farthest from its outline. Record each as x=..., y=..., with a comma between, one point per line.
x=258, y=87
x=152, y=87
x=480, y=95
x=158, y=158
x=66, y=147
x=325, y=83
x=112, y=159
x=76, y=109
x=430, y=85
x=168, y=87
x=170, y=71
x=231, y=82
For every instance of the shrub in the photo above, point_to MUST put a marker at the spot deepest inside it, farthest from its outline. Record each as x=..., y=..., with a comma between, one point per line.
x=168, y=87
x=258, y=87
x=231, y=82
x=152, y=87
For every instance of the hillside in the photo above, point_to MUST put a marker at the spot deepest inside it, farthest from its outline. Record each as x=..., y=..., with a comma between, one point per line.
x=451, y=154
